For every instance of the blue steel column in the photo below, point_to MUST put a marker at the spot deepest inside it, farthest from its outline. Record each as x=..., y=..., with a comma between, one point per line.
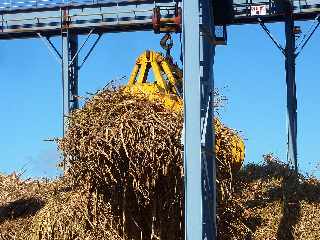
x=69, y=74
x=291, y=91
x=192, y=133
x=207, y=86
x=198, y=131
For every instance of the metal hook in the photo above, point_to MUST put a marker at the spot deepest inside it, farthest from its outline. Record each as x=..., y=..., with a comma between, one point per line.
x=166, y=43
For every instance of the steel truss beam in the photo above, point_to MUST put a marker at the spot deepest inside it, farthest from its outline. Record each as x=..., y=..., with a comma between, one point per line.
x=71, y=68
x=290, y=64
x=198, y=117
x=52, y=49
x=69, y=60
x=291, y=52
x=76, y=5
x=115, y=16
x=69, y=74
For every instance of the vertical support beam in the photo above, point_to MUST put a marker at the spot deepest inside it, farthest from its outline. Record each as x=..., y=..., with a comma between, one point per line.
x=208, y=177
x=291, y=90
x=69, y=74
x=192, y=127
x=199, y=159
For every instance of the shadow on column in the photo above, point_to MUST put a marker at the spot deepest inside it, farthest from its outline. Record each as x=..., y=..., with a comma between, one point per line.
x=291, y=207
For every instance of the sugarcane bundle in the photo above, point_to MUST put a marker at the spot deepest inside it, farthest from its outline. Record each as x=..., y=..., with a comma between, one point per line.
x=129, y=149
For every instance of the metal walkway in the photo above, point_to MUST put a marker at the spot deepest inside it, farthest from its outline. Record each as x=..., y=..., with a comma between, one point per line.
x=25, y=19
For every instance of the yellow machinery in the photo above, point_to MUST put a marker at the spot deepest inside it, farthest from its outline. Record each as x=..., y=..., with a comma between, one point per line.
x=167, y=84
x=167, y=89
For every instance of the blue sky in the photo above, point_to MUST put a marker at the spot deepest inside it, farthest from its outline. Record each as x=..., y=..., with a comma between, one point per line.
x=250, y=70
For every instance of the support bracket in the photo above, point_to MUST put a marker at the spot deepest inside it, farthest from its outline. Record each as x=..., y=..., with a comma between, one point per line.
x=53, y=50
x=90, y=50
x=82, y=45
x=274, y=40
x=307, y=36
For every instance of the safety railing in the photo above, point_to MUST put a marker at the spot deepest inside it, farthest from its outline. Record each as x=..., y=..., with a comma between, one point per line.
x=15, y=5
x=77, y=19
x=102, y=19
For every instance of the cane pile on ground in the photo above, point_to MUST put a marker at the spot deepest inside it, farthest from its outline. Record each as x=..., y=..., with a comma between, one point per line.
x=20, y=200
x=124, y=180
x=278, y=204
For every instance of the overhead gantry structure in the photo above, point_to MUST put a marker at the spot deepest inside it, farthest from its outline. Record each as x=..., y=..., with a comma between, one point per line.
x=201, y=25
x=49, y=18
